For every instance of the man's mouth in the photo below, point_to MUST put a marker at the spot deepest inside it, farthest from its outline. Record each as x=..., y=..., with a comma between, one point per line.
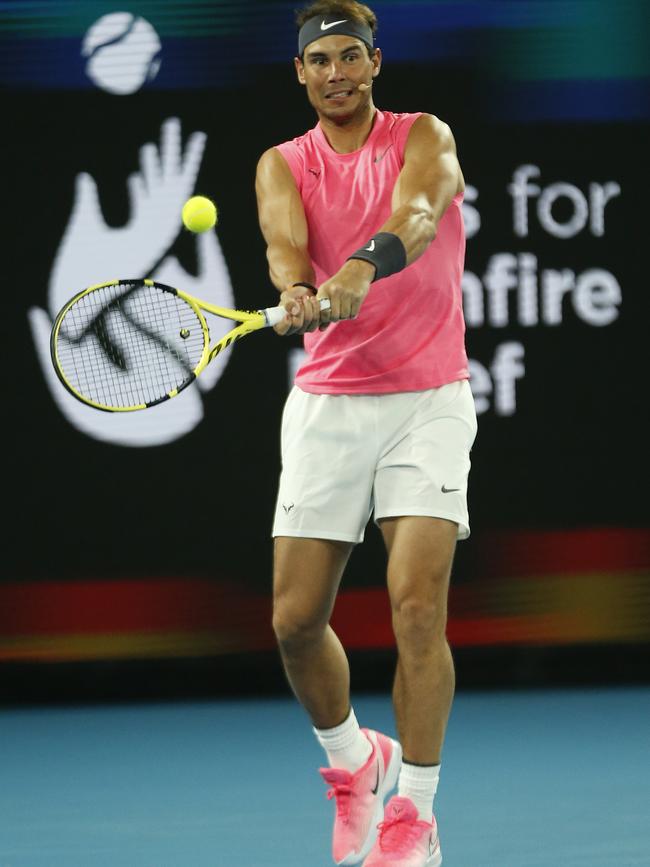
x=338, y=95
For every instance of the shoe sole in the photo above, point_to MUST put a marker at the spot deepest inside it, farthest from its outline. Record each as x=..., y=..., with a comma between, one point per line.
x=390, y=779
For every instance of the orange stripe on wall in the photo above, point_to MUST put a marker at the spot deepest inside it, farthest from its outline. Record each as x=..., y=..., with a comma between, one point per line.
x=559, y=610
x=196, y=616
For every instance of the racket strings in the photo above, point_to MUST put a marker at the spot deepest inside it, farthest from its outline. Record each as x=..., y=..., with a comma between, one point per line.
x=129, y=344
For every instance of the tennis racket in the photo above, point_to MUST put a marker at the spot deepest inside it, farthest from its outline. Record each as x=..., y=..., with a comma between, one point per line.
x=131, y=344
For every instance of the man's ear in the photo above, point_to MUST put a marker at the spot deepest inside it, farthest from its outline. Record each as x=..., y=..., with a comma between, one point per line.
x=300, y=69
x=376, y=62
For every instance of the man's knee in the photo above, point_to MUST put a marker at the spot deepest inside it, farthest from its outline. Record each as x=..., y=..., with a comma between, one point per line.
x=419, y=621
x=419, y=606
x=297, y=629
x=307, y=573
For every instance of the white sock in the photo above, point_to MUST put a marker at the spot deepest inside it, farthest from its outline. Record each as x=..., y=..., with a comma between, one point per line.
x=346, y=745
x=419, y=783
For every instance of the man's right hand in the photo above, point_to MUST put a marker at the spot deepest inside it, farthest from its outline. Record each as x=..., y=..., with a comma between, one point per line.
x=303, y=311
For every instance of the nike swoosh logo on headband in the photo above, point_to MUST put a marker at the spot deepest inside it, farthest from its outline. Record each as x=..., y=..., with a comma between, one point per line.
x=324, y=26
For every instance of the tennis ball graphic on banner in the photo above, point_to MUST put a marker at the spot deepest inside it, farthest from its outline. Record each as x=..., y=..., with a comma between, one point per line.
x=122, y=51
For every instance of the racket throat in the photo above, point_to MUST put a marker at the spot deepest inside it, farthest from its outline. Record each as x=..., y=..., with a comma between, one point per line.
x=228, y=340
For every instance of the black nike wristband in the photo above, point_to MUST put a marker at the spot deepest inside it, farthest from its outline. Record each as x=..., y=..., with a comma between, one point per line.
x=309, y=286
x=386, y=252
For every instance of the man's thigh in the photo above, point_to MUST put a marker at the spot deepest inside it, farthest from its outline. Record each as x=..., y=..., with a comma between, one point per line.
x=420, y=556
x=306, y=577
x=423, y=470
x=328, y=467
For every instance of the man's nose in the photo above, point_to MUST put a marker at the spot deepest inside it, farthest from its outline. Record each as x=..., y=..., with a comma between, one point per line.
x=336, y=71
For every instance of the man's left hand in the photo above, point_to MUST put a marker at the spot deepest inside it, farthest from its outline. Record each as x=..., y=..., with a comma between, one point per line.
x=346, y=291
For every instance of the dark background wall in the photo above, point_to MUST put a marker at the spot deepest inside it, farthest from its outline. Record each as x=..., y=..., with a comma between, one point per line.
x=136, y=553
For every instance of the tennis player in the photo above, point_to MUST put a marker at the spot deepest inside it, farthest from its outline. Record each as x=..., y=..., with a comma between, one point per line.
x=365, y=209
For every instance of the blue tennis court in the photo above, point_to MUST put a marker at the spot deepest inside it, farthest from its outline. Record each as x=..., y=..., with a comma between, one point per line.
x=530, y=779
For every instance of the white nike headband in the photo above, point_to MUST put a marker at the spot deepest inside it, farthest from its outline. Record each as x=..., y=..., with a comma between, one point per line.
x=330, y=25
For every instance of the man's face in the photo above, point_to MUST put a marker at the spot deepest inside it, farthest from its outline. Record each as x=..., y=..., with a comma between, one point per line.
x=332, y=69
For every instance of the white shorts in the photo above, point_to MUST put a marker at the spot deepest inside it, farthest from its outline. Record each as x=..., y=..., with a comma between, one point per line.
x=345, y=456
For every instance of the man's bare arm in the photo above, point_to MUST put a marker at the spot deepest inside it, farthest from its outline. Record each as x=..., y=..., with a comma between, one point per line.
x=282, y=221
x=284, y=227
x=429, y=180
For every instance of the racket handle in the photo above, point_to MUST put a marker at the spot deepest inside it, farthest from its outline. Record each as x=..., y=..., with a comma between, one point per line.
x=274, y=315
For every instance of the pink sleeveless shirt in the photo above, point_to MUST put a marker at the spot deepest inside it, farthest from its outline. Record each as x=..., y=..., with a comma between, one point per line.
x=410, y=332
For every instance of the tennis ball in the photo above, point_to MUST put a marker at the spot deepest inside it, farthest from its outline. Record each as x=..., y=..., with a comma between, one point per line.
x=199, y=214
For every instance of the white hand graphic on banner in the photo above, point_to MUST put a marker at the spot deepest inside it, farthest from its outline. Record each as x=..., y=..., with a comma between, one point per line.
x=91, y=252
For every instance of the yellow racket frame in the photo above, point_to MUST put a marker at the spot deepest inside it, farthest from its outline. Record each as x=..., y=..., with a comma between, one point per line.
x=249, y=321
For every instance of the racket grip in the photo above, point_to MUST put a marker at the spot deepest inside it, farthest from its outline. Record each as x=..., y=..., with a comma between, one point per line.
x=273, y=315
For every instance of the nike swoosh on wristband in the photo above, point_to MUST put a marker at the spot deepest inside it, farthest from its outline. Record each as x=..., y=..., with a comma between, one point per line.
x=324, y=26
x=370, y=246
x=446, y=490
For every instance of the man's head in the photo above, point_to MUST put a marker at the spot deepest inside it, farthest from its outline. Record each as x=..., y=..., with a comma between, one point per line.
x=336, y=54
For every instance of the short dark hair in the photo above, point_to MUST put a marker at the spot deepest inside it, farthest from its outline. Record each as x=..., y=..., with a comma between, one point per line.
x=347, y=8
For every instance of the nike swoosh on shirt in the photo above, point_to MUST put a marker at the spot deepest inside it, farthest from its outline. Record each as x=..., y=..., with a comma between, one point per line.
x=381, y=156
x=324, y=26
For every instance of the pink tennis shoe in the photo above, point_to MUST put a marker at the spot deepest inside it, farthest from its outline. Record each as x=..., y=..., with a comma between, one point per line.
x=360, y=798
x=404, y=839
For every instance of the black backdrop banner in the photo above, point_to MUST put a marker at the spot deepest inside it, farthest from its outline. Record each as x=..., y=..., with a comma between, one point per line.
x=149, y=535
